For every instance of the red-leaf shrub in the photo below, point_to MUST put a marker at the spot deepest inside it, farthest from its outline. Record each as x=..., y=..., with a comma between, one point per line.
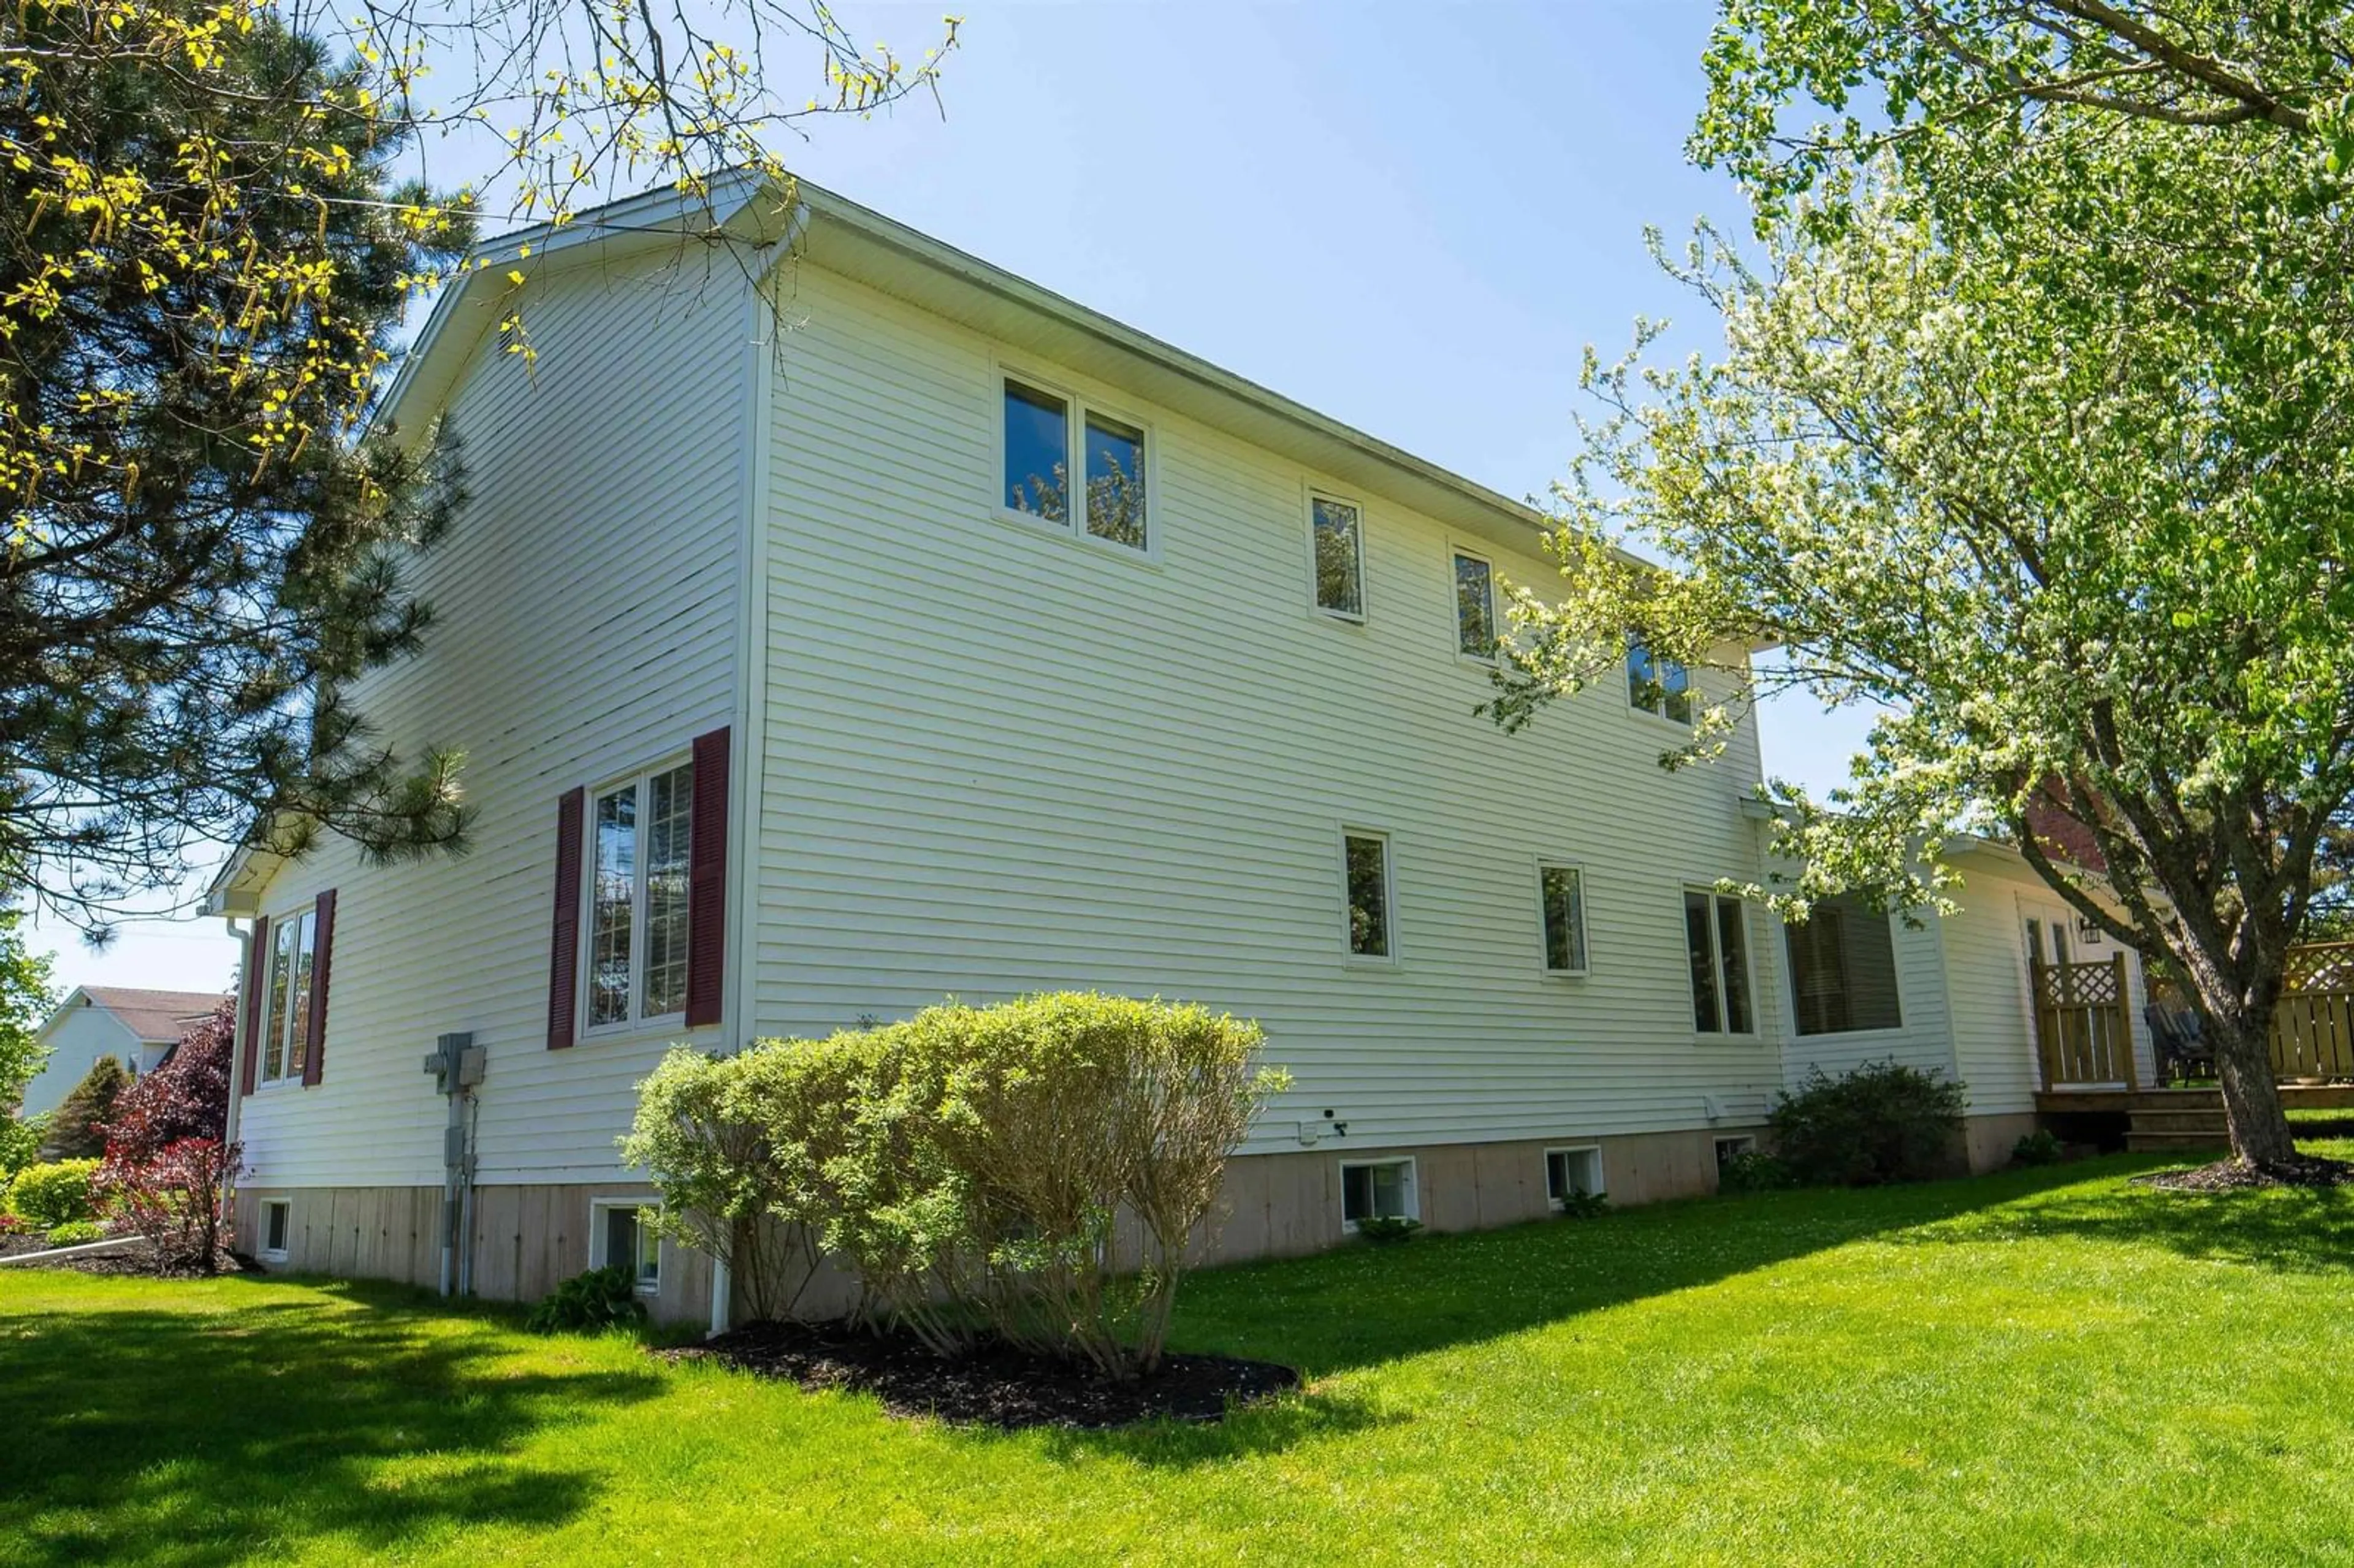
x=187, y=1096
x=173, y=1199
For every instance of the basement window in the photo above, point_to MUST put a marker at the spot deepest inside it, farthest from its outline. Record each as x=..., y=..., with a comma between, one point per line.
x=1571, y=1170
x=277, y=1224
x=1378, y=1190
x=1731, y=1149
x=620, y=1235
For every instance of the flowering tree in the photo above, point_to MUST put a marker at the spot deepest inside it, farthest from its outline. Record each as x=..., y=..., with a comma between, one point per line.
x=2034, y=429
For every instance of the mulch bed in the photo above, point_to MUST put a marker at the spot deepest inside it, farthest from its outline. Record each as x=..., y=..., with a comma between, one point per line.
x=997, y=1385
x=2233, y=1175
x=134, y=1260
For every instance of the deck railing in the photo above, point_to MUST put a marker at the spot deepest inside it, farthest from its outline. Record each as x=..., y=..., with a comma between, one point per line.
x=2083, y=1034
x=2312, y=1026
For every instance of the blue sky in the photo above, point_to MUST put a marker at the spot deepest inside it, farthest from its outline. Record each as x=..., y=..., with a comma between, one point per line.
x=1414, y=216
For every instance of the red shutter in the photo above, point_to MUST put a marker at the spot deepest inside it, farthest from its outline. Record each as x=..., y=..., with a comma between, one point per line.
x=706, y=880
x=322, y=947
x=563, y=950
x=257, y=980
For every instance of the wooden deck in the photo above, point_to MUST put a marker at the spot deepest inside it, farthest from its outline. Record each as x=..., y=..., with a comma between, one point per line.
x=2158, y=1119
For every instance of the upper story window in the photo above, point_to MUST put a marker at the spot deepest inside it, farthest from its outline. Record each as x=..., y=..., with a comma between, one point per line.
x=1717, y=941
x=286, y=997
x=1339, y=543
x=1475, y=607
x=1039, y=460
x=1365, y=869
x=1843, y=969
x=1656, y=684
x=1560, y=895
x=637, y=927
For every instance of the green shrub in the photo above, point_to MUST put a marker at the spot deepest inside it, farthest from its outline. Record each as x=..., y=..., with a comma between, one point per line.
x=20, y=1142
x=1583, y=1206
x=597, y=1299
x=1387, y=1230
x=1753, y=1171
x=55, y=1193
x=73, y=1233
x=1880, y=1122
x=2042, y=1147
x=1036, y=1168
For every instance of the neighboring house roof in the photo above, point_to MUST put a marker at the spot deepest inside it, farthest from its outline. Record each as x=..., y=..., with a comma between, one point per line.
x=155, y=1017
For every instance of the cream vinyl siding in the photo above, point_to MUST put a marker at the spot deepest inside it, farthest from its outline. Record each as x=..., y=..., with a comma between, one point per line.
x=585, y=613
x=1986, y=970
x=996, y=761
x=1925, y=1037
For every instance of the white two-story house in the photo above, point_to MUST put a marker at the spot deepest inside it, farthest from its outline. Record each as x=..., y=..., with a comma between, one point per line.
x=842, y=623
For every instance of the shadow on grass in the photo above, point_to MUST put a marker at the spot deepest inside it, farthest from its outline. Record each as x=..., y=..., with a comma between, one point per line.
x=1361, y=1305
x=2291, y=1230
x=197, y=1436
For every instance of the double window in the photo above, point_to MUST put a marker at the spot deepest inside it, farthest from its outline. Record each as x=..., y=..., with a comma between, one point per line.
x=1572, y=1172
x=1718, y=941
x=1365, y=876
x=640, y=831
x=1378, y=1190
x=1658, y=684
x=286, y=997
x=1475, y=607
x=1843, y=969
x=1049, y=438
x=1561, y=902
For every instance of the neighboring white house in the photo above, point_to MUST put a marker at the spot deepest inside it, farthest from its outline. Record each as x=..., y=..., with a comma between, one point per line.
x=134, y=1026
x=799, y=685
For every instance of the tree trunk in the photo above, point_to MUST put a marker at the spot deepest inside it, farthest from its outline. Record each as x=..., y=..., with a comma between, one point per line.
x=2252, y=1102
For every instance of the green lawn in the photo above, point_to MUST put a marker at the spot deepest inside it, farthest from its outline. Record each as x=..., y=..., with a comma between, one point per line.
x=2042, y=1366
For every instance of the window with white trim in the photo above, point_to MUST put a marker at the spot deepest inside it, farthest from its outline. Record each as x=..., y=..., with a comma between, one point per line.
x=277, y=1227
x=286, y=997
x=1337, y=542
x=636, y=932
x=1365, y=872
x=1571, y=1170
x=1039, y=428
x=1475, y=606
x=1716, y=937
x=1843, y=969
x=621, y=1233
x=1561, y=903
x=1378, y=1190
x=1729, y=1149
x=1658, y=684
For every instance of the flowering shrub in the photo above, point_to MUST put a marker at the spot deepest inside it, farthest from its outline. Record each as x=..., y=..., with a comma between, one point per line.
x=174, y=1200
x=971, y=1163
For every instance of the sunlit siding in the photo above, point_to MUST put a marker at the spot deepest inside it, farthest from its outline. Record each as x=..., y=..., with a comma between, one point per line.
x=585, y=613
x=998, y=760
x=1986, y=970
x=1924, y=1038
